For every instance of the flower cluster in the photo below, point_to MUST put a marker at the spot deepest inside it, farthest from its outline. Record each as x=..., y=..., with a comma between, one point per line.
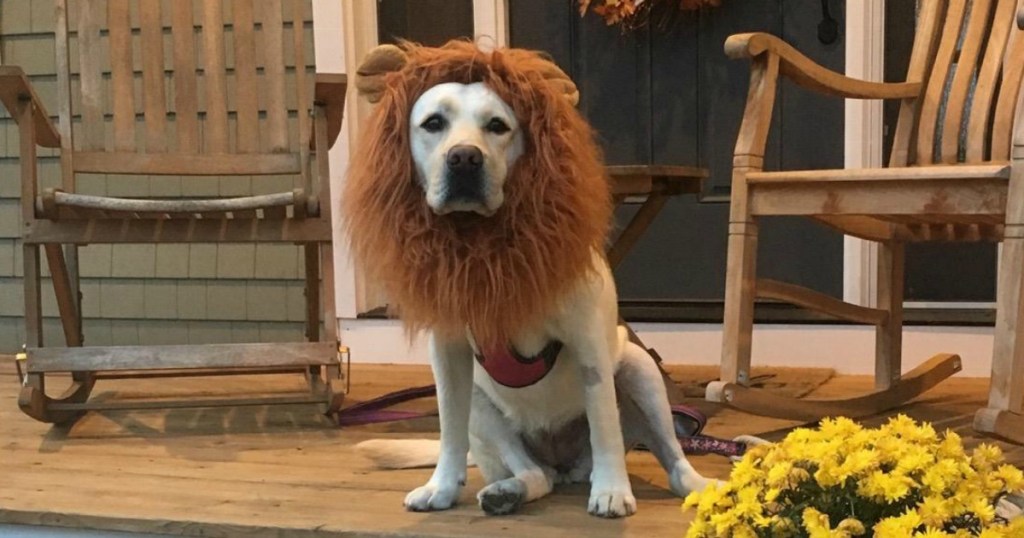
x=843, y=480
x=627, y=11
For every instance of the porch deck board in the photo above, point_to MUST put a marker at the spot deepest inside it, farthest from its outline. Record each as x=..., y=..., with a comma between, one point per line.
x=287, y=471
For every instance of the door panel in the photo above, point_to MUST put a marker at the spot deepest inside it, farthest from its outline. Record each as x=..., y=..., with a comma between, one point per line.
x=671, y=96
x=428, y=22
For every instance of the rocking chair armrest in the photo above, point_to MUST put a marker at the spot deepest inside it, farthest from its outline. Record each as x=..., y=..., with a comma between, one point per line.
x=16, y=88
x=329, y=93
x=811, y=75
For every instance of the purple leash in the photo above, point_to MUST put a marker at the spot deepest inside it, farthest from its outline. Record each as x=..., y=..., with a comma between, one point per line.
x=689, y=422
x=375, y=411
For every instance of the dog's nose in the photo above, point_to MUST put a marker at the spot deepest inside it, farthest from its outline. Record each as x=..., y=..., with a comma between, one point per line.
x=465, y=159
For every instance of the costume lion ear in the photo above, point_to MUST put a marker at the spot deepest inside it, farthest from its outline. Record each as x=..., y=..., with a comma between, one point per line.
x=378, y=63
x=563, y=84
x=557, y=78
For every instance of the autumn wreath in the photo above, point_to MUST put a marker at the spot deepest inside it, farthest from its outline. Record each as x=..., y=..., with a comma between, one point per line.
x=635, y=13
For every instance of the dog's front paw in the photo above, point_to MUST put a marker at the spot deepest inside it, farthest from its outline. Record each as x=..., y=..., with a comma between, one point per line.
x=502, y=497
x=432, y=497
x=612, y=502
x=684, y=479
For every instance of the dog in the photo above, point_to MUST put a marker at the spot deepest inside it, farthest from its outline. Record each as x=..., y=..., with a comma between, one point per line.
x=477, y=197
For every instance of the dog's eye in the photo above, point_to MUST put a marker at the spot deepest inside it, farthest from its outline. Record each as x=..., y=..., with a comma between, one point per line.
x=498, y=126
x=433, y=124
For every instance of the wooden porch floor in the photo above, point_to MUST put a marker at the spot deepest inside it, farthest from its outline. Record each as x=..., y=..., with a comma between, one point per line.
x=287, y=471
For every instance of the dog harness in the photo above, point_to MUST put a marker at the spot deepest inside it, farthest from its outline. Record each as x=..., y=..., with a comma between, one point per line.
x=508, y=367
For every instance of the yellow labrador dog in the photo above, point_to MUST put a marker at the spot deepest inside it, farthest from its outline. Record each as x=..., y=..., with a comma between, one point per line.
x=566, y=398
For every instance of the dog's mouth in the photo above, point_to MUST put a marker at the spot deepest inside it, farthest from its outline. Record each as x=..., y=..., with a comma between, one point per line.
x=464, y=208
x=464, y=197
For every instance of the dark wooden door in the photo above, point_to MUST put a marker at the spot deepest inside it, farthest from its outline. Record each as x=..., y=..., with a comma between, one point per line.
x=668, y=95
x=428, y=22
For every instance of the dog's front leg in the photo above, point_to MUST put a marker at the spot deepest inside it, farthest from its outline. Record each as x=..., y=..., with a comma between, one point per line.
x=610, y=492
x=451, y=359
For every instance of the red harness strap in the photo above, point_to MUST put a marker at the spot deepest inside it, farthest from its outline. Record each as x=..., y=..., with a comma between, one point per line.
x=507, y=367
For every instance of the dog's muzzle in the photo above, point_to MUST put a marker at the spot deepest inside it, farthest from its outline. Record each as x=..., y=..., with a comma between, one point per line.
x=465, y=175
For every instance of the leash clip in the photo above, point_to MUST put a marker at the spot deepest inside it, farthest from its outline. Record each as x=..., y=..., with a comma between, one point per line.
x=345, y=358
x=18, y=359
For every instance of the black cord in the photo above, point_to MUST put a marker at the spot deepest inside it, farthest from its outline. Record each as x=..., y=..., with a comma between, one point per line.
x=828, y=28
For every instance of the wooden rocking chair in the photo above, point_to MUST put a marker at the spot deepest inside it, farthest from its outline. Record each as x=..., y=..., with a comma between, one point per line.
x=172, y=118
x=951, y=177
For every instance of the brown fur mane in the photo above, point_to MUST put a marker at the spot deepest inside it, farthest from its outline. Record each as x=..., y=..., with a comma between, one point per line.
x=496, y=275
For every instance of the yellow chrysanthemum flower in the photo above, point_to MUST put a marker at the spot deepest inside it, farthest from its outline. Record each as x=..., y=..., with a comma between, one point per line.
x=772, y=487
x=984, y=510
x=816, y=524
x=899, y=526
x=986, y=456
x=934, y=510
x=851, y=527
x=1012, y=477
x=887, y=487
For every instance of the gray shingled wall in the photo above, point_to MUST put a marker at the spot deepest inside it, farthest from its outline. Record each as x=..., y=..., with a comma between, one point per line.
x=141, y=293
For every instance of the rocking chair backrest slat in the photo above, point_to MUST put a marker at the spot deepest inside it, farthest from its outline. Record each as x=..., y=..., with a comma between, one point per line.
x=1006, y=102
x=976, y=30
x=245, y=73
x=967, y=103
x=275, y=74
x=216, y=82
x=929, y=28
x=187, y=77
x=155, y=102
x=935, y=90
x=186, y=91
x=90, y=77
x=122, y=75
x=988, y=80
x=304, y=101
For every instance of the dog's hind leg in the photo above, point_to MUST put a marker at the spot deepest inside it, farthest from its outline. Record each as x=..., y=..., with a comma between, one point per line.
x=650, y=417
x=502, y=456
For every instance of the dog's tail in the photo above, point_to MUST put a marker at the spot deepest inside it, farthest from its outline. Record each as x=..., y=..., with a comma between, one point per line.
x=402, y=453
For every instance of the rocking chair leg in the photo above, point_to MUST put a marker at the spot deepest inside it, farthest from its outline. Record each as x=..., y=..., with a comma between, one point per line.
x=34, y=402
x=312, y=294
x=889, y=297
x=740, y=278
x=33, y=298
x=312, y=261
x=335, y=392
x=1004, y=415
x=71, y=258
x=319, y=260
x=65, y=291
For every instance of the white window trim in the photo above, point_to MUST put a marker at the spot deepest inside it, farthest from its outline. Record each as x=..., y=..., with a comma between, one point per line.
x=865, y=59
x=490, y=22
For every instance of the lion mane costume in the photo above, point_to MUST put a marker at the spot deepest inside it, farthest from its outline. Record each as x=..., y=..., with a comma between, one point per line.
x=494, y=275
